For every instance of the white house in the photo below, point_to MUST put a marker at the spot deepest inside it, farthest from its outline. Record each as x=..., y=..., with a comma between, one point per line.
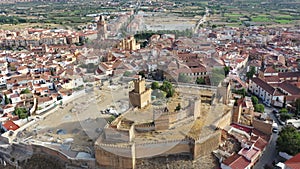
x=75, y=82
x=265, y=91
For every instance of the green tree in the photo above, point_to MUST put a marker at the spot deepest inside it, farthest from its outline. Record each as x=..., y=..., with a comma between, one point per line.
x=142, y=73
x=178, y=107
x=226, y=70
x=283, y=110
x=284, y=114
x=259, y=108
x=25, y=91
x=289, y=140
x=154, y=85
x=254, y=100
x=240, y=92
x=6, y=100
x=297, y=105
x=111, y=118
x=168, y=88
x=21, y=112
x=250, y=74
x=184, y=78
x=127, y=73
x=200, y=80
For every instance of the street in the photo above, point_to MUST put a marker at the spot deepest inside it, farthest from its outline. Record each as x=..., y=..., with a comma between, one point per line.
x=270, y=153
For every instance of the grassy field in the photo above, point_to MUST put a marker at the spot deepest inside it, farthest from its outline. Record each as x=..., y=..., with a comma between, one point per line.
x=31, y=25
x=270, y=13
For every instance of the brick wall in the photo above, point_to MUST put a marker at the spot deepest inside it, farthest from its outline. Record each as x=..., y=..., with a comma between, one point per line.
x=263, y=126
x=207, y=145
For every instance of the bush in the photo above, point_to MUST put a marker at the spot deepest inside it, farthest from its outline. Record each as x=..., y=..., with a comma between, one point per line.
x=21, y=112
x=254, y=100
x=200, y=80
x=154, y=85
x=259, y=108
x=168, y=88
x=25, y=91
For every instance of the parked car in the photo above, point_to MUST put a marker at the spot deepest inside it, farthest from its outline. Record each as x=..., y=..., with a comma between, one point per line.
x=275, y=111
x=267, y=104
x=275, y=130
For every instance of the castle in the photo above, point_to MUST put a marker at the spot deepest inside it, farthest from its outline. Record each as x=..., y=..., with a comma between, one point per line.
x=156, y=129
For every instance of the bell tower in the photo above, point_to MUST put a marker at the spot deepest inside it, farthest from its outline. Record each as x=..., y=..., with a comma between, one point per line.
x=102, y=28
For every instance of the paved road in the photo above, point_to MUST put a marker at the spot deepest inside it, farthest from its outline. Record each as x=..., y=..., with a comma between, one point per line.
x=270, y=153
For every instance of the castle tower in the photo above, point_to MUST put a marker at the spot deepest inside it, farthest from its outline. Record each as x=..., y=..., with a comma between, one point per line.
x=102, y=28
x=140, y=96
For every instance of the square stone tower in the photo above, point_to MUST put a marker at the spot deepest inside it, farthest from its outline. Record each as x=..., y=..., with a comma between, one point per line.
x=140, y=96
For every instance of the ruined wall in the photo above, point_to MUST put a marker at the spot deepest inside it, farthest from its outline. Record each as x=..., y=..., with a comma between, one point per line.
x=56, y=154
x=162, y=148
x=262, y=126
x=144, y=127
x=114, y=135
x=116, y=157
x=161, y=119
x=206, y=145
x=224, y=121
x=145, y=98
x=176, y=116
x=237, y=110
x=197, y=109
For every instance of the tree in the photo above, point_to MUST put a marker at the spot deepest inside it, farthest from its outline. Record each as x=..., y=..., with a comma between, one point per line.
x=21, y=112
x=284, y=114
x=297, y=105
x=200, y=80
x=226, y=70
x=184, y=78
x=178, y=107
x=154, y=85
x=250, y=74
x=259, y=108
x=168, y=88
x=127, y=73
x=240, y=92
x=6, y=100
x=25, y=91
x=289, y=140
x=283, y=110
x=254, y=100
x=111, y=118
x=142, y=73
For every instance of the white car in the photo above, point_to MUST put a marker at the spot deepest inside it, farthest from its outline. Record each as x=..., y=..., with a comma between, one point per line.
x=275, y=130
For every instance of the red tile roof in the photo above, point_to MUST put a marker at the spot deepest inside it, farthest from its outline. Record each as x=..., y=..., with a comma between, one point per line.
x=292, y=89
x=250, y=154
x=236, y=162
x=289, y=74
x=263, y=85
x=270, y=70
x=294, y=162
x=10, y=125
x=243, y=128
x=260, y=143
